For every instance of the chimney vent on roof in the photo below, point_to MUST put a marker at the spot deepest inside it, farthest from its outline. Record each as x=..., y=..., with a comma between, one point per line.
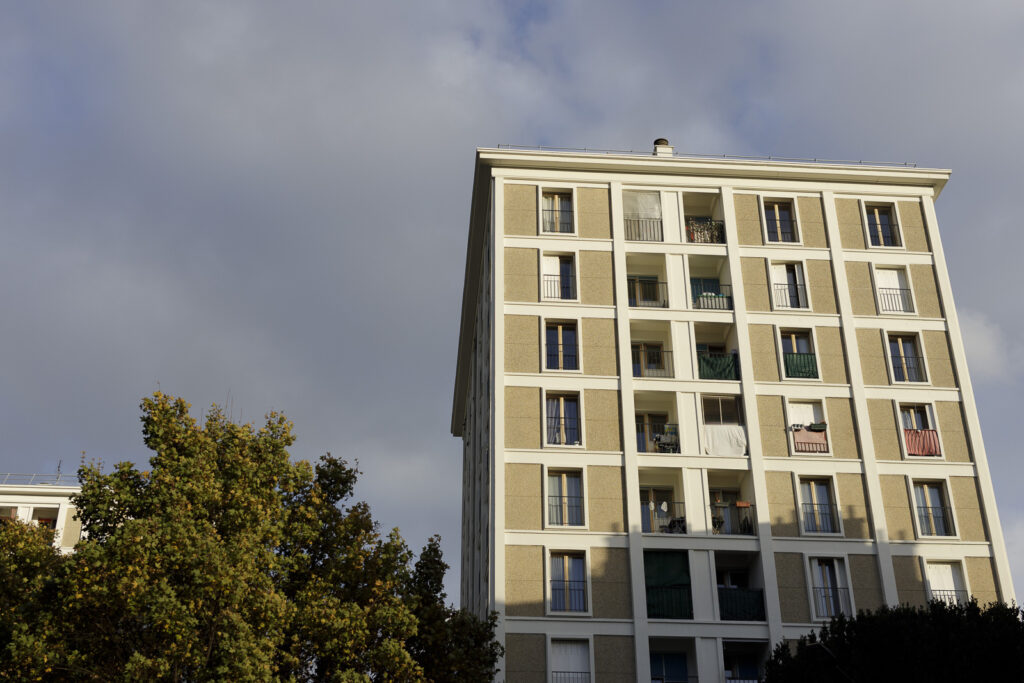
x=662, y=148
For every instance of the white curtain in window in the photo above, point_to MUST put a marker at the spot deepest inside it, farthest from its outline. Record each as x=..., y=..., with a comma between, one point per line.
x=941, y=577
x=549, y=265
x=570, y=656
x=890, y=278
x=805, y=413
x=642, y=204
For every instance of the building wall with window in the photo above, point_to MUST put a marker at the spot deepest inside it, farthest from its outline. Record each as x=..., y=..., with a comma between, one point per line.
x=47, y=503
x=707, y=404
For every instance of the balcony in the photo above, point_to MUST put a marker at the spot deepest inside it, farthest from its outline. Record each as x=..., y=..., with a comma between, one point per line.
x=951, y=597
x=800, y=365
x=568, y=596
x=935, y=520
x=895, y=300
x=652, y=437
x=644, y=293
x=830, y=602
x=705, y=231
x=570, y=677
x=810, y=439
x=922, y=441
x=741, y=604
x=733, y=519
x=563, y=431
x=556, y=220
x=565, y=510
x=820, y=518
x=558, y=287
x=712, y=365
x=712, y=298
x=789, y=296
x=652, y=362
x=667, y=517
x=640, y=229
x=669, y=602
x=908, y=369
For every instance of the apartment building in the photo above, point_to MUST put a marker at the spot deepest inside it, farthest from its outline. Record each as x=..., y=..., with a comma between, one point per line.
x=706, y=404
x=43, y=499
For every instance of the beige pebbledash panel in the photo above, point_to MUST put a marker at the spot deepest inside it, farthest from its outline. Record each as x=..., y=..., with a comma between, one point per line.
x=609, y=577
x=526, y=658
x=872, y=357
x=781, y=504
x=596, y=281
x=597, y=339
x=937, y=356
x=842, y=437
x=523, y=499
x=524, y=580
x=909, y=581
x=951, y=426
x=884, y=431
x=606, y=494
x=856, y=523
x=981, y=579
x=601, y=420
x=867, y=582
x=831, y=358
x=748, y=219
x=763, y=355
x=862, y=293
x=966, y=503
x=595, y=218
x=522, y=417
x=614, y=659
x=522, y=343
x=755, y=284
x=773, y=426
x=72, y=531
x=789, y=568
x=897, y=507
x=912, y=227
x=926, y=291
x=812, y=222
x=520, y=209
x=851, y=229
x=820, y=287
x=522, y=274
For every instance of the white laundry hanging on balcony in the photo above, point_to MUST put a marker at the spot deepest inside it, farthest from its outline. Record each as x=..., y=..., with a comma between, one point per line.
x=725, y=440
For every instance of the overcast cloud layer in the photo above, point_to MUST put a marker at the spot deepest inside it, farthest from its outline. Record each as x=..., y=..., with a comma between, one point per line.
x=265, y=205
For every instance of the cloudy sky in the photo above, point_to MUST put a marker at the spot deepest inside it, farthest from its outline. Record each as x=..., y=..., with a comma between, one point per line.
x=265, y=205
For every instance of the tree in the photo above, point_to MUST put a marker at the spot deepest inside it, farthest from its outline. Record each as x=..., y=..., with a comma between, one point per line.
x=223, y=561
x=938, y=642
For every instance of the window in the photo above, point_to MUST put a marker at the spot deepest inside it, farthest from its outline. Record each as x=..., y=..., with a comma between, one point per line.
x=563, y=412
x=667, y=580
x=668, y=667
x=557, y=211
x=807, y=424
x=907, y=363
x=882, y=228
x=659, y=513
x=565, y=498
x=919, y=433
x=570, y=661
x=714, y=363
x=724, y=433
x=934, y=517
x=722, y=410
x=819, y=510
x=558, y=277
x=561, y=346
x=789, y=290
x=798, y=356
x=778, y=219
x=568, y=582
x=946, y=582
x=641, y=214
x=729, y=514
x=654, y=434
x=829, y=590
x=708, y=293
x=650, y=360
x=893, y=291
x=646, y=292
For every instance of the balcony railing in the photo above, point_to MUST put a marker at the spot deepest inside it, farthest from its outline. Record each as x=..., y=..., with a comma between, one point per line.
x=935, y=520
x=565, y=510
x=908, y=369
x=809, y=440
x=820, y=518
x=800, y=365
x=781, y=231
x=741, y=604
x=712, y=298
x=559, y=287
x=563, y=432
x=718, y=365
x=570, y=677
x=733, y=519
x=639, y=229
x=666, y=517
x=647, y=293
x=895, y=300
x=922, y=441
x=705, y=231
x=830, y=602
x=562, y=357
x=556, y=220
x=669, y=602
x=649, y=362
x=59, y=479
x=568, y=596
x=789, y=296
x=951, y=597
x=657, y=438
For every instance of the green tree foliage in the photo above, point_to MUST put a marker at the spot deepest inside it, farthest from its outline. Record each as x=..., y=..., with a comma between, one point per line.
x=223, y=561
x=939, y=642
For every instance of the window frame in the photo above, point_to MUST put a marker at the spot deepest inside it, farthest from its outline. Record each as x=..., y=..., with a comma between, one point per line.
x=544, y=418
x=549, y=551
x=786, y=400
x=843, y=571
x=925, y=561
x=781, y=356
x=740, y=415
x=556, y=188
x=639, y=189
x=918, y=345
x=932, y=418
x=802, y=263
x=574, y=254
x=875, y=267
x=588, y=637
x=548, y=470
x=797, y=228
x=947, y=499
x=833, y=492
x=560, y=320
x=645, y=345
x=894, y=214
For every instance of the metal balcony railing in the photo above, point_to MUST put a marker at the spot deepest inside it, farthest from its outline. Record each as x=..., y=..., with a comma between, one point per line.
x=556, y=220
x=705, y=231
x=789, y=296
x=669, y=602
x=666, y=517
x=951, y=597
x=922, y=441
x=800, y=365
x=652, y=362
x=565, y=510
x=653, y=437
x=830, y=602
x=568, y=596
x=640, y=229
x=570, y=677
x=563, y=431
x=559, y=287
x=733, y=519
x=60, y=479
x=718, y=365
x=908, y=368
x=810, y=441
x=647, y=293
x=781, y=231
x=893, y=300
x=562, y=357
x=935, y=520
x=741, y=604
x=712, y=298
x=820, y=518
